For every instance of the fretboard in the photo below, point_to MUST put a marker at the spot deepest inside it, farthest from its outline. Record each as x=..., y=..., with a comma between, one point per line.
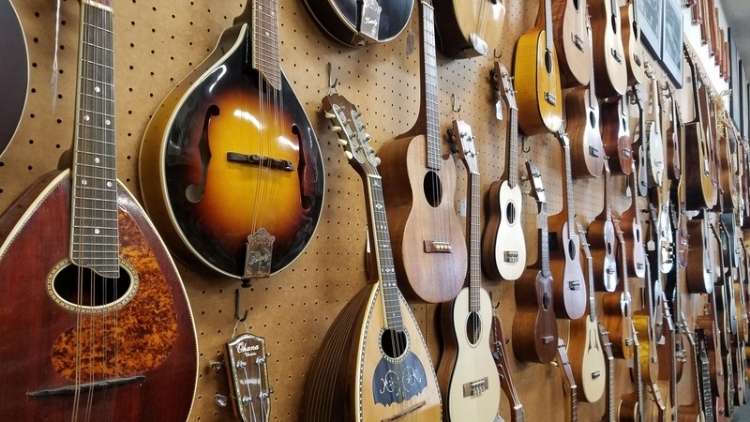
x=639, y=381
x=610, y=385
x=430, y=87
x=95, y=237
x=544, y=240
x=382, y=241
x=513, y=148
x=474, y=230
x=569, y=197
x=266, y=41
x=548, y=24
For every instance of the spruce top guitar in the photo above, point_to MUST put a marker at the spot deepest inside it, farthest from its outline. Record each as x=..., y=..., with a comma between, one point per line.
x=467, y=360
x=503, y=242
x=610, y=65
x=604, y=243
x=14, y=72
x=469, y=28
x=537, y=73
x=101, y=328
x=374, y=364
x=428, y=243
x=572, y=39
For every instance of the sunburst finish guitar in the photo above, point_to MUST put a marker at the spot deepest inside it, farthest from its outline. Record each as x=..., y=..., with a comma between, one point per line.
x=610, y=65
x=469, y=27
x=466, y=361
x=572, y=40
x=374, y=364
x=100, y=323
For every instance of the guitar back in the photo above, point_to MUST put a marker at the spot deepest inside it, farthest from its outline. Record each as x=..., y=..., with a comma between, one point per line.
x=142, y=340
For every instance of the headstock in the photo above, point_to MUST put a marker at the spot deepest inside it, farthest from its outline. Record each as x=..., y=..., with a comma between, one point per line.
x=537, y=188
x=245, y=360
x=347, y=122
x=504, y=85
x=463, y=140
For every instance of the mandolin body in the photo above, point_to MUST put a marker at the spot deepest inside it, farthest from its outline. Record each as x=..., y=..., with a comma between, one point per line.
x=468, y=360
x=586, y=148
x=145, y=338
x=587, y=359
x=469, y=28
x=534, y=324
x=429, y=276
x=503, y=241
x=570, y=22
x=207, y=205
x=352, y=380
x=339, y=19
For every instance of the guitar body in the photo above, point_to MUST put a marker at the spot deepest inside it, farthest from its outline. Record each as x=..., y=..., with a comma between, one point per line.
x=534, y=324
x=346, y=380
x=609, y=52
x=724, y=169
x=339, y=19
x=603, y=248
x=587, y=359
x=631, y=39
x=205, y=204
x=570, y=21
x=432, y=277
x=616, y=317
x=145, y=337
x=503, y=242
x=569, y=285
x=469, y=28
x=629, y=409
x=14, y=72
x=699, y=273
x=467, y=359
x=618, y=144
x=537, y=81
x=586, y=148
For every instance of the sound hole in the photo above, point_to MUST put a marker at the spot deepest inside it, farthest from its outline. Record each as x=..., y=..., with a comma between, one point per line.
x=609, y=249
x=433, y=189
x=572, y=249
x=473, y=328
x=548, y=61
x=615, y=23
x=84, y=288
x=638, y=236
x=592, y=118
x=393, y=343
x=510, y=213
x=546, y=301
x=576, y=4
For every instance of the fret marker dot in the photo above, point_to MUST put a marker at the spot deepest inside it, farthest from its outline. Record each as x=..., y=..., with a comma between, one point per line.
x=84, y=182
x=107, y=122
x=96, y=160
x=97, y=231
x=97, y=89
x=86, y=118
x=109, y=184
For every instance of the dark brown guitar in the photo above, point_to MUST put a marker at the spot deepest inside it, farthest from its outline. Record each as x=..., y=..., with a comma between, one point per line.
x=616, y=138
x=603, y=240
x=14, y=72
x=100, y=322
x=419, y=184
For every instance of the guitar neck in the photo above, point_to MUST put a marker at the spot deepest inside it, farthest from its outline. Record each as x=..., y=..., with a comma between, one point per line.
x=544, y=241
x=548, y=24
x=610, y=401
x=639, y=381
x=473, y=228
x=568, y=197
x=266, y=41
x=430, y=87
x=513, y=148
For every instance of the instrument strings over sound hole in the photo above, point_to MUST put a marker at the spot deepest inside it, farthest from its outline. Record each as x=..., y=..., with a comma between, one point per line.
x=90, y=289
x=592, y=118
x=433, y=188
x=510, y=213
x=473, y=328
x=572, y=250
x=393, y=343
x=548, y=61
x=546, y=301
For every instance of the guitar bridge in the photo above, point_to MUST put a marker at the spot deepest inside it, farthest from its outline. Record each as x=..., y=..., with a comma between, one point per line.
x=260, y=161
x=616, y=55
x=510, y=257
x=577, y=41
x=475, y=388
x=434, y=246
x=550, y=98
x=594, y=152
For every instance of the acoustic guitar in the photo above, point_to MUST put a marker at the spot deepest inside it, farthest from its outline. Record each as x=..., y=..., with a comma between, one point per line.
x=610, y=67
x=14, y=72
x=503, y=242
x=568, y=285
x=584, y=346
x=617, y=306
x=632, y=46
x=468, y=393
x=469, y=28
x=616, y=136
x=358, y=23
x=534, y=325
x=570, y=22
x=699, y=276
x=102, y=327
x=228, y=148
x=374, y=363
x=537, y=77
x=419, y=184
x=603, y=241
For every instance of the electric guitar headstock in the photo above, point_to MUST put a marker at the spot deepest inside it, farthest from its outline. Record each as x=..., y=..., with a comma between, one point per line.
x=347, y=121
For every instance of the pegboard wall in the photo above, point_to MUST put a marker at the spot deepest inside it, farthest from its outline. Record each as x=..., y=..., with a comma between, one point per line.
x=158, y=42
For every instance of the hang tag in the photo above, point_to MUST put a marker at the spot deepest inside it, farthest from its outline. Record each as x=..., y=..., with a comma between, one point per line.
x=370, y=25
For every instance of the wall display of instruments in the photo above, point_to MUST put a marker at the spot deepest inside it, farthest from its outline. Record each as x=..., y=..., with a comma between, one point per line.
x=374, y=210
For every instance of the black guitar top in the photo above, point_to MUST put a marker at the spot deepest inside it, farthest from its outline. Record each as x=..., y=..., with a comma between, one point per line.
x=14, y=72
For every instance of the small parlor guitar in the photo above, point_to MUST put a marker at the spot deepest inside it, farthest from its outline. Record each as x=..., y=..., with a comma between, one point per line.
x=537, y=73
x=228, y=148
x=534, y=326
x=100, y=323
x=572, y=39
x=466, y=366
x=360, y=22
x=616, y=136
x=419, y=184
x=603, y=240
x=469, y=27
x=503, y=242
x=374, y=364
x=610, y=67
x=14, y=72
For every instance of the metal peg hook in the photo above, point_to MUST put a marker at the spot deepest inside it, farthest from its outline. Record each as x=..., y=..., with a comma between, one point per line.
x=237, y=307
x=494, y=54
x=524, y=146
x=453, y=104
x=332, y=82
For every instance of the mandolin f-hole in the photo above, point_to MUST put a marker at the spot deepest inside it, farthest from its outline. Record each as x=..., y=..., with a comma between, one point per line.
x=433, y=189
x=305, y=200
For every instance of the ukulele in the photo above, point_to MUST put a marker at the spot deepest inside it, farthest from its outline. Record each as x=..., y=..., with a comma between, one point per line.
x=633, y=405
x=616, y=139
x=467, y=359
x=503, y=242
x=699, y=275
x=569, y=381
x=617, y=307
x=724, y=168
x=469, y=28
x=610, y=67
x=419, y=184
x=695, y=412
x=537, y=77
x=364, y=22
x=568, y=285
x=572, y=41
x=14, y=73
x=641, y=152
x=534, y=325
x=673, y=135
x=374, y=363
x=582, y=124
x=229, y=147
x=102, y=327
x=584, y=346
x=603, y=243
x=632, y=46
x=610, y=414
x=517, y=413
x=630, y=222
x=653, y=140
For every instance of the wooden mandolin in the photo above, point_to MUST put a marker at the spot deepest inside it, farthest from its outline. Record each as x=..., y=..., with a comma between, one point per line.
x=469, y=28
x=537, y=73
x=503, y=242
x=534, y=326
x=100, y=322
x=604, y=243
x=419, y=184
x=469, y=394
x=610, y=67
x=228, y=148
x=374, y=364
x=572, y=39
x=616, y=137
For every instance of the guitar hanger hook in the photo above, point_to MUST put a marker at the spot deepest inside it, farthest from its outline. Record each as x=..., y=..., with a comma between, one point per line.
x=524, y=146
x=332, y=82
x=453, y=104
x=237, y=307
x=494, y=54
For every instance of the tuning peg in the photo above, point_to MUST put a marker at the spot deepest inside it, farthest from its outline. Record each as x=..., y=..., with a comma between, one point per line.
x=343, y=142
x=377, y=161
x=329, y=115
x=336, y=128
x=221, y=400
x=368, y=137
x=216, y=365
x=349, y=155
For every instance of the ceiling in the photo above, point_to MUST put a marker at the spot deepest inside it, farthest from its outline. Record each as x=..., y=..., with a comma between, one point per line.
x=737, y=13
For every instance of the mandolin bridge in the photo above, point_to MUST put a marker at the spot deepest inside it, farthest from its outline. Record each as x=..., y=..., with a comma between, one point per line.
x=577, y=41
x=434, y=246
x=510, y=257
x=98, y=385
x=260, y=161
x=550, y=98
x=475, y=388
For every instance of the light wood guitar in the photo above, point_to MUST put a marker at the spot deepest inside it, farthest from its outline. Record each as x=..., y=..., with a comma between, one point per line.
x=537, y=73
x=503, y=242
x=470, y=392
x=584, y=347
x=374, y=364
x=469, y=28
x=419, y=185
x=572, y=40
x=610, y=67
